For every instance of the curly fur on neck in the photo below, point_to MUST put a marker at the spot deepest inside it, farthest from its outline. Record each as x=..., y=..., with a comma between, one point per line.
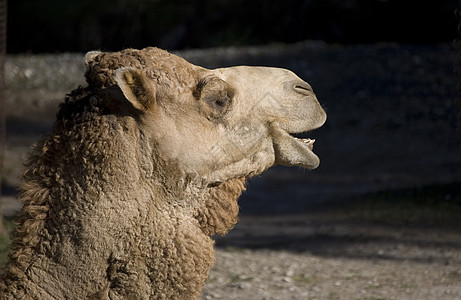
x=219, y=212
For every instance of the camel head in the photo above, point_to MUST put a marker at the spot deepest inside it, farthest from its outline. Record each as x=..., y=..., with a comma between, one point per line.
x=217, y=124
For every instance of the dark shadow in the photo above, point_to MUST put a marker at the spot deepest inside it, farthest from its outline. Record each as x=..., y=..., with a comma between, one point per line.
x=377, y=226
x=347, y=239
x=25, y=128
x=9, y=190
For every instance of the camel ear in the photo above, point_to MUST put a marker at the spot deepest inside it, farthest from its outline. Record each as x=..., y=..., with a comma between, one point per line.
x=89, y=57
x=135, y=87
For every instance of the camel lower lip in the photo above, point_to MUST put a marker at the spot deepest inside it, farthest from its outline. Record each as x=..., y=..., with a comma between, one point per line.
x=293, y=151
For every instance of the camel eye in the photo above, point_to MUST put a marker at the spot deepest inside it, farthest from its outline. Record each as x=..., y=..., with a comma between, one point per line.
x=218, y=102
x=215, y=96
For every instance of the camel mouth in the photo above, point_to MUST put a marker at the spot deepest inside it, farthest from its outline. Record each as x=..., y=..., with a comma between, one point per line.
x=309, y=143
x=294, y=151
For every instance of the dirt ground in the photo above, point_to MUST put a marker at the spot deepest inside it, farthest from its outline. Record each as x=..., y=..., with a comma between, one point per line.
x=391, y=125
x=332, y=255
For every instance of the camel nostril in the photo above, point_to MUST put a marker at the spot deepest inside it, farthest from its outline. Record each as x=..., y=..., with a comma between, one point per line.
x=302, y=87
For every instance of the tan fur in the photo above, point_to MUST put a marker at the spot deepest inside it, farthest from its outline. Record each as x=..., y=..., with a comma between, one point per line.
x=142, y=167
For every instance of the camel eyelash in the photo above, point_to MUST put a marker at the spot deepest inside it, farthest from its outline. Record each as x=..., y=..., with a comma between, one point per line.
x=197, y=92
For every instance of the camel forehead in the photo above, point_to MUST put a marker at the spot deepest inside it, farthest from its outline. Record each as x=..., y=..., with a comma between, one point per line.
x=256, y=73
x=253, y=78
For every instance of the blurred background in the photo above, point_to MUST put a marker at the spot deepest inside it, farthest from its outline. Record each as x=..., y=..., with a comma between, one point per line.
x=389, y=179
x=37, y=26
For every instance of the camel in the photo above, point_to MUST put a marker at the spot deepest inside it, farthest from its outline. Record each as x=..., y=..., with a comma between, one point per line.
x=143, y=166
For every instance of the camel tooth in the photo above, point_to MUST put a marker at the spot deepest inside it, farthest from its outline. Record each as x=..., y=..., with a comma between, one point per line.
x=308, y=142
